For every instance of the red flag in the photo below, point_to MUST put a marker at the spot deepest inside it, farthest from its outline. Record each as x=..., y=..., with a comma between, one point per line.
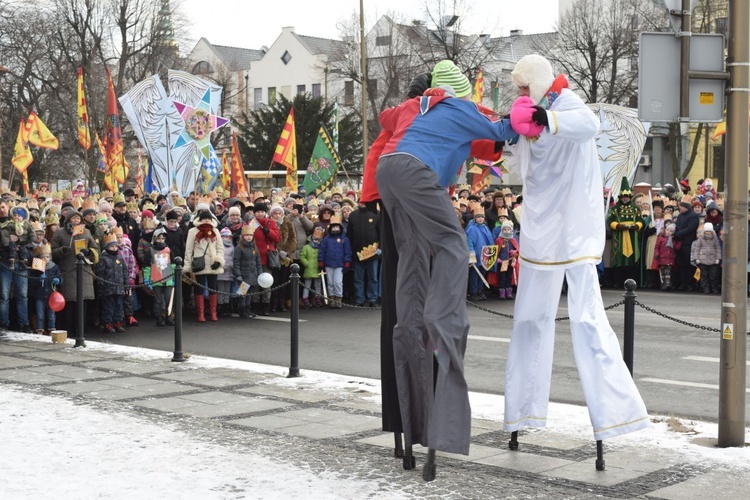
x=113, y=139
x=238, y=182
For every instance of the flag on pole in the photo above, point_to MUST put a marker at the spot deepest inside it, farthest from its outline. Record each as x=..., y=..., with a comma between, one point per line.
x=148, y=182
x=286, y=151
x=84, y=136
x=38, y=134
x=26, y=189
x=495, y=96
x=113, y=140
x=324, y=164
x=480, y=170
x=101, y=160
x=478, y=93
x=210, y=171
x=22, y=154
x=139, y=172
x=238, y=182
x=226, y=177
x=336, y=125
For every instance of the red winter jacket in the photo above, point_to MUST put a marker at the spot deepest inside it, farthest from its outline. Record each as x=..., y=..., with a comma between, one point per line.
x=265, y=242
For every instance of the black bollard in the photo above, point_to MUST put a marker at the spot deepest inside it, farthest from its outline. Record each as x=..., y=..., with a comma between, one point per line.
x=629, y=337
x=177, y=308
x=80, y=319
x=294, y=362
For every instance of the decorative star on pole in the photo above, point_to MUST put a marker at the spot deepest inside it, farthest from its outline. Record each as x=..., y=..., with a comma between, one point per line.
x=199, y=123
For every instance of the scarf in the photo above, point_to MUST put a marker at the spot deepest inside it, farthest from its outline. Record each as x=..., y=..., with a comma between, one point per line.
x=205, y=231
x=554, y=91
x=670, y=242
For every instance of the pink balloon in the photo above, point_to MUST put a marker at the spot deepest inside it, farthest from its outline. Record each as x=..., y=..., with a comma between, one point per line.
x=56, y=301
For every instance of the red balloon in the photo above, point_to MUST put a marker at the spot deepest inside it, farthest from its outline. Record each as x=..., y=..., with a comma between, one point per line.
x=56, y=301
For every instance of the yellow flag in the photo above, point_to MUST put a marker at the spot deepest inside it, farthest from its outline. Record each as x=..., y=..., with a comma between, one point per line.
x=226, y=178
x=84, y=136
x=286, y=151
x=22, y=154
x=38, y=134
x=478, y=93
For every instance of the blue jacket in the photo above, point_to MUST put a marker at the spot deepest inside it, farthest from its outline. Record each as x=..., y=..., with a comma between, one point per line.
x=335, y=251
x=439, y=131
x=478, y=236
x=41, y=288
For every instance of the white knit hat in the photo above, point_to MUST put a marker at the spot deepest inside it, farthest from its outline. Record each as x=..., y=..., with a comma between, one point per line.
x=535, y=72
x=708, y=227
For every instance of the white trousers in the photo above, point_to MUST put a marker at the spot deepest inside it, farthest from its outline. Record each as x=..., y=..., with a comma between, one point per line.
x=614, y=404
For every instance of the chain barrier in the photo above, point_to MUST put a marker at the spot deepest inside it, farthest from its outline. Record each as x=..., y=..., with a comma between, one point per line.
x=191, y=281
x=510, y=316
x=682, y=322
x=12, y=270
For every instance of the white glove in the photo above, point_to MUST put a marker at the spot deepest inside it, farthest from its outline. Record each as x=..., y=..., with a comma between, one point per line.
x=717, y=261
x=697, y=262
x=282, y=254
x=472, y=258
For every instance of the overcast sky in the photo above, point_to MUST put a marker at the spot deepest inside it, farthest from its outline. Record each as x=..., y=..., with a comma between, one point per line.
x=252, y=24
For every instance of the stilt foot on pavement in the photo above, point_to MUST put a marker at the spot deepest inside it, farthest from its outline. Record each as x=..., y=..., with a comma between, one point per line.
x=513, y=443
x=409, y=461
x=430, y=469
x=599, y=455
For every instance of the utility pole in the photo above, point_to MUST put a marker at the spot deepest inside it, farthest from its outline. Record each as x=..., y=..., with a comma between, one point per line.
x=363, y=70
x=3, y=70
x=734, y=280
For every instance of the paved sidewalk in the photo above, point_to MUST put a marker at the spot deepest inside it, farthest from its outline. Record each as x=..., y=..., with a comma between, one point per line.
x=328, y=422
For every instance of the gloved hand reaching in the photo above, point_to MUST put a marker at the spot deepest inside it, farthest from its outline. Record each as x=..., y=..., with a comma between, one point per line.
x=215, y=266
x=540, y=116
x=55, y=281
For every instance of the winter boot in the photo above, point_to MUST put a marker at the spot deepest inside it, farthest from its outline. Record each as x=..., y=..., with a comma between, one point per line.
x=213, y=300
x=306, y=303
x=119, y=328
x=244, y=312
x=338, y=304
x=502, y=294
x=108, y=328
x=319, y=300
x=509, y=293
x=265, y=309
x=200, y=307
x=168, y=321
x=131, y=321
x=159, y=321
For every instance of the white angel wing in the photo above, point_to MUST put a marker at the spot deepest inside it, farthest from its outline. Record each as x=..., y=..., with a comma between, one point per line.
x=619, y=142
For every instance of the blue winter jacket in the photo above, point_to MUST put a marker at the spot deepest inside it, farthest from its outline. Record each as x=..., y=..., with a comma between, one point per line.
x=478, y=236
x=335, y=251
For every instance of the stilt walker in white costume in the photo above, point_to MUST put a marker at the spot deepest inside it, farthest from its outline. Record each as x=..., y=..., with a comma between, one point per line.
x=562, y=236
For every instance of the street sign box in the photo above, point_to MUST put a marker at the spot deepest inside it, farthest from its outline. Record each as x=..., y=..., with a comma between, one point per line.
x=659, y=78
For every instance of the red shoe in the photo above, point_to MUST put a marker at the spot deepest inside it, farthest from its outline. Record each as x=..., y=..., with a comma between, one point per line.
x=118, y=327
x=132, y=321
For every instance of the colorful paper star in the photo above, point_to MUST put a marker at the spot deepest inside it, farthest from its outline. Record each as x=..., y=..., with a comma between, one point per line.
x=199, y=123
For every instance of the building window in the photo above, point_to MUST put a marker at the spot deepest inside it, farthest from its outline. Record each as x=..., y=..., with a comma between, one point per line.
x=383, y=41
x=286, y=57
x=349, y=93
x=271, y=96
x=316, y=90
x=372, y=86
x=257, y=97
x=300, y=89
x=202, y=68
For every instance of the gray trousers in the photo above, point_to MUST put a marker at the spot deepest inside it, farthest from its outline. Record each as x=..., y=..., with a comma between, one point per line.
x=430, y=305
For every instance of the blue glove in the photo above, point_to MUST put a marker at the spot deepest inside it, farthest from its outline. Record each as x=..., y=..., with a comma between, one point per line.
x=55, y=281
x=378, y=251
x=148, y=284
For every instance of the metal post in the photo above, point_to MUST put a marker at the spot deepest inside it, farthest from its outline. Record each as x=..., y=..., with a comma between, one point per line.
x=629, y=337
x=177, y=307
x=734, y=282
x=80, y=319
x=294, y=363
x=363, y=70
x=684, y=34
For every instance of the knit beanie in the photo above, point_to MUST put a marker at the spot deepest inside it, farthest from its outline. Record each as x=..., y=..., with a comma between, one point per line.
x=418, y=85
x=535, y=72
x=226, y=232
x=447, y=73
x=708, y=227
x=235, y=210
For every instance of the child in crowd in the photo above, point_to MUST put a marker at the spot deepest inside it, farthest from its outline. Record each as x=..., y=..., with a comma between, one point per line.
x=112, y=275
x=335, y=255
x=664, y=254
x=478, y=236
x=159, y=276
x=125, y=250
x=308, y=256
x=246, y=266
x=226, y=279
x=507, y=260
x=707, y=256
x=41, y=286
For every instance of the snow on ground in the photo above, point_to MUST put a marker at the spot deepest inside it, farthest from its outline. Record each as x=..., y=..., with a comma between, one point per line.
x=58, y=448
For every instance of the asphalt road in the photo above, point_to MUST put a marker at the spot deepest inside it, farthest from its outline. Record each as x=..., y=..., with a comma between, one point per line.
x=676, y=367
